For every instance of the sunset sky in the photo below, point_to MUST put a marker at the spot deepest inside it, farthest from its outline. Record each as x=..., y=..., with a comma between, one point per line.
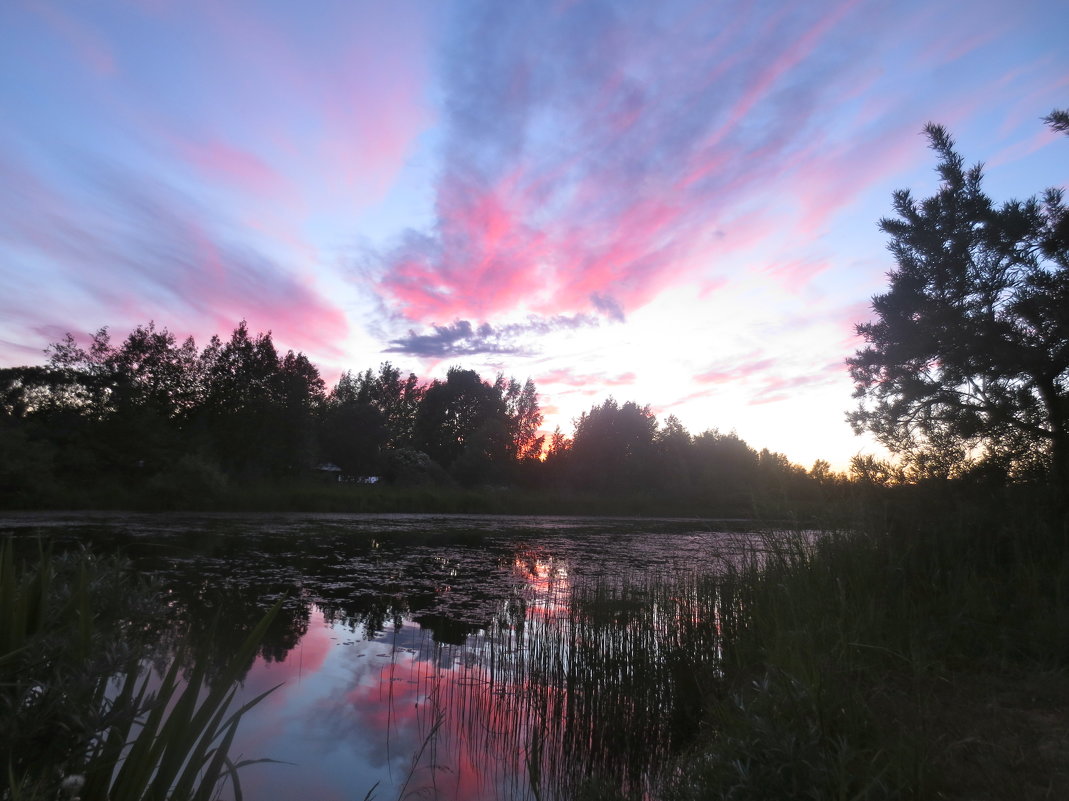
x=668, y=202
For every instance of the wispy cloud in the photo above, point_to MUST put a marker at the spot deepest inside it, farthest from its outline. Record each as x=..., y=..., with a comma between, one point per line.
x=736, y=369
x=796, y=274
x=607, y=305
x=773, y=389
x=222, y=162
x=567, y=376
x=134, y=248
x=477, y=181
x=589, y=150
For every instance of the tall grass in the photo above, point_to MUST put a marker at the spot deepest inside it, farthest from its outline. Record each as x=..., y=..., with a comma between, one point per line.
x=853, y=665
x=871, y=666
x=82, y=712
x=586, y=689
x=901, y=663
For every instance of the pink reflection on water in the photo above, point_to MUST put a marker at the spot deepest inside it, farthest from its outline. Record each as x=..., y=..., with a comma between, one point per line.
x=564, y=680
x=544, y=583
x=399, y=712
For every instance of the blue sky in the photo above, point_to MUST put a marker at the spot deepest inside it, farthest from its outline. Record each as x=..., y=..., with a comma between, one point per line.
x=673, y=203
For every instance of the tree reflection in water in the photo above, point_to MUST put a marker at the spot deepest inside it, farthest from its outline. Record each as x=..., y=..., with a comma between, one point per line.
x=463, y=660
x=567, y=686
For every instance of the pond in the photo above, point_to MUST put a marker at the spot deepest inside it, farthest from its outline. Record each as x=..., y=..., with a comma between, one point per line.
x=444, y=657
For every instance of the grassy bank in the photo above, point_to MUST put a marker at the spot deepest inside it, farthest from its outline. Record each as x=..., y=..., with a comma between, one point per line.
x=918, y=660
x=320, y=497
x=310, y=496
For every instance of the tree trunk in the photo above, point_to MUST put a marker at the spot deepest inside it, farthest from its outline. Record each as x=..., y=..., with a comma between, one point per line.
x=1058, y=425
x=1060, y=475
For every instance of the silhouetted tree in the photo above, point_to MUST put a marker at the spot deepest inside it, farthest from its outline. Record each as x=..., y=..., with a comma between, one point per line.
x=298, y=395
x=397, y=399
x=553, y=470
x=55, y=412
x=453, y=411
x=613, y=447
x=257, y=409
x=725, y=470
x=91, y=379
x=180, y=426
x=27, y=392
x=821, y=472
x=969, y=354
x=675, y=464
x=559, y=445
x=485, y=458
x=524, y=417
x=1058, y=120
x=26, y=447
x=152, y=371
x=130, y=401
x=869, y=471
x=352, y=431
x=153, y=385
x=781, y=484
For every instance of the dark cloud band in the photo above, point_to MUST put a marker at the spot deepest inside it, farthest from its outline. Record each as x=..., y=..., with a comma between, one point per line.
x=461, y=338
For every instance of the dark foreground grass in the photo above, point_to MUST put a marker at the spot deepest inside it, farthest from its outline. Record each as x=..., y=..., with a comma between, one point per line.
x=925, y=662
x=82, y=714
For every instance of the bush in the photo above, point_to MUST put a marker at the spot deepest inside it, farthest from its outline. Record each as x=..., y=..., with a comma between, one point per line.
x=26, y=468
x=191, y=482
x=406, y=467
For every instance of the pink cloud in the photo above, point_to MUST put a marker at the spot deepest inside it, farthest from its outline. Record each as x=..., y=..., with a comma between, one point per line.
x=239, y=168
x=828, y=178
x=568, y=377
x=740, y=370
x=142, y=251
x=710, y=287
x=795, y=275
x=775, y=388
x=786, y=58
x=685, y=399
x=483, y=262
x=304, y=661
x=658, y=161
x=957, y=44
x=764, y=399
x=1040, y=137
x=337, y=97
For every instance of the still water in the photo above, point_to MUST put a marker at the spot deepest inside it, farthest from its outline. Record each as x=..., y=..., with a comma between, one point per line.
x=443, y=657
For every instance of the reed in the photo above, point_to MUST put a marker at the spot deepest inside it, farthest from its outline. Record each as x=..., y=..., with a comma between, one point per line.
x=588, y=688
x=83, y=713
x=831, y=665
x=875, y=666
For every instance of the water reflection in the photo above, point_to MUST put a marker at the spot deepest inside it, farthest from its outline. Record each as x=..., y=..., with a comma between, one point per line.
x=467, y=660
x=565, y=686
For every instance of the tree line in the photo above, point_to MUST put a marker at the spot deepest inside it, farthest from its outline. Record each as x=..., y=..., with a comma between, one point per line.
x=158, y=413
